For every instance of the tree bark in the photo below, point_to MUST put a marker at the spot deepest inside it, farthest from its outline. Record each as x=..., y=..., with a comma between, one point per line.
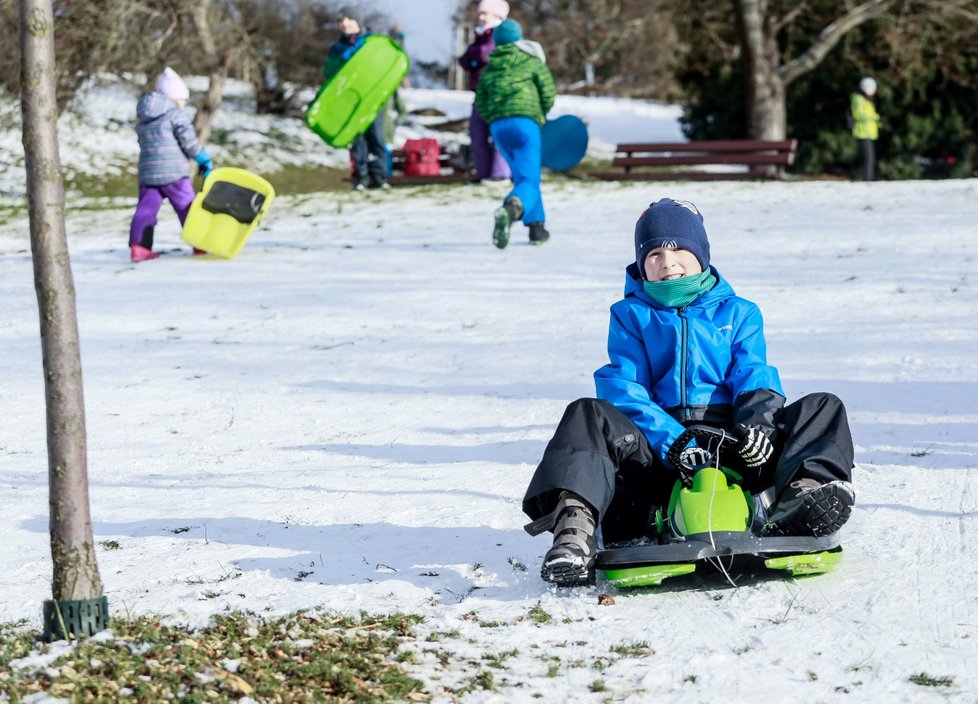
x=76, y=573
x=217, y=73
x=767, y=76
x=766, y=108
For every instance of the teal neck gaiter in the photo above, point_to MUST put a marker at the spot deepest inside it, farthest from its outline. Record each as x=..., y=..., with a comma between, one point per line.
x=678, y=293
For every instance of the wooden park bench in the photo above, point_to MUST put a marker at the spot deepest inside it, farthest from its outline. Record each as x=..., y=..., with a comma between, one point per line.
x=762, y=159
x=450, y=165
x=452, y=169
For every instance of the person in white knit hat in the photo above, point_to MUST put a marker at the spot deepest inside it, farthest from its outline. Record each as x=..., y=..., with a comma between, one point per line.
x=489, y=163
x=865, y=127
x=166, y=140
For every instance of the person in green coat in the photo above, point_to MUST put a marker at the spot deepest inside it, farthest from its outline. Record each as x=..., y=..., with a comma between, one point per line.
x=514, y=94
x=865, y=127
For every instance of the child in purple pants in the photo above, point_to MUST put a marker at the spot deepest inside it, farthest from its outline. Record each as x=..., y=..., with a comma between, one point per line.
x=166, y=141
x=489, y=162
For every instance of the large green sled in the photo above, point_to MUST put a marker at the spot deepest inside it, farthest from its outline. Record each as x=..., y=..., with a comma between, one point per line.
x=349, y=102
x=710, y=520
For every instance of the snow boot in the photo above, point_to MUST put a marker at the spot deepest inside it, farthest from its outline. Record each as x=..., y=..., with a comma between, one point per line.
x=570, y=561
x=138, y=253
x=504, y=217
x=807, y=507
x=538, y=233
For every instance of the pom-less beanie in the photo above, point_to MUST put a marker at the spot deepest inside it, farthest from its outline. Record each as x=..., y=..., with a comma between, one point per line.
x=675, y=224
x=352, y=12
x=171, y=85
x=507, y=32
x=499, y=8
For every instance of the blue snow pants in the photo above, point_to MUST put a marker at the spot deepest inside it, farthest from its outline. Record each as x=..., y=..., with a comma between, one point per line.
x=518, y=140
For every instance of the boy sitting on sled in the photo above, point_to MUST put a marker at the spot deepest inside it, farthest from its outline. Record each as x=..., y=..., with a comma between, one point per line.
x=684, y=349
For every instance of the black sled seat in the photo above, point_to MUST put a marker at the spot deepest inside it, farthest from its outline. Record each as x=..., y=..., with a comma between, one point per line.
x=242, y=204
x=227, y=210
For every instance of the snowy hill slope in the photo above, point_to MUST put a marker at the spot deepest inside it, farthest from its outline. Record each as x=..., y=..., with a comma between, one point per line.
x=348, y=413
x=98, y=138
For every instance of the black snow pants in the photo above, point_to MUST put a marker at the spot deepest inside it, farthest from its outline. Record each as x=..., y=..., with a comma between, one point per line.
x=867, y=160
x=600, y=455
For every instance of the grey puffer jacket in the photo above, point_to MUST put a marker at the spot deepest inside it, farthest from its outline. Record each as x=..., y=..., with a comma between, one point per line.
x=166, y=140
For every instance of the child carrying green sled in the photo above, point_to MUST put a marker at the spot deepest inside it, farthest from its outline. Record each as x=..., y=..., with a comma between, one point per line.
x=684, y=349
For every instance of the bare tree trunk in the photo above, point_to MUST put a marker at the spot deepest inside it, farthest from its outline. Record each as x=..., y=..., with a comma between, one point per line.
x=76, y=575
x=766, y=110
x=767, y=77
x=218, y=72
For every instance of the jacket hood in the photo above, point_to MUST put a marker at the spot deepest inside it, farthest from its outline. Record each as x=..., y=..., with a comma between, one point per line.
x=532, y=48
x=154, y=105
x=515, y=54
x=634, y=288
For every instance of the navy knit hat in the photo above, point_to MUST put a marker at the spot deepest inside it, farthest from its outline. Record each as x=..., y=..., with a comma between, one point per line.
x=507, y=32
x=675, y=224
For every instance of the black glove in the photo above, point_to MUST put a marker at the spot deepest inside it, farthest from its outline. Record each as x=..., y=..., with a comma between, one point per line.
x=753, y=446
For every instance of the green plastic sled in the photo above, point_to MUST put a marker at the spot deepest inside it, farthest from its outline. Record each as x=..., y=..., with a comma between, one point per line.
x=711, y=519
x=349, y=102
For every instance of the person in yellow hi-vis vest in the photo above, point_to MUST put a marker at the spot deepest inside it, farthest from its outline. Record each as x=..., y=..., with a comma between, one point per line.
x=865, y=127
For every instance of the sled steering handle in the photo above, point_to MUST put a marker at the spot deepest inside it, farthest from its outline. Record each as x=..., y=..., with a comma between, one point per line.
x=706, y=432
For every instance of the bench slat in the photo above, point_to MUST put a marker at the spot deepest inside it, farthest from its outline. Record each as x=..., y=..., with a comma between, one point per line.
x=454, y=177
x=690, y=159
x=677, y=176
x=735, y=145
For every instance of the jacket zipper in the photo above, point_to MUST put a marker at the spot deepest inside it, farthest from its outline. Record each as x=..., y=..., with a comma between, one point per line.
x=683, y=357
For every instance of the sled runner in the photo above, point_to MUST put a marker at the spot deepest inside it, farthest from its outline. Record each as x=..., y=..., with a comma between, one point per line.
x=710, y=518
x=350, y=101
x=227, y=210
x=563, y=142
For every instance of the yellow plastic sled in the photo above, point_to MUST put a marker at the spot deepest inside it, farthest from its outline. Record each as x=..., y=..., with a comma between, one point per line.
x=227, y=210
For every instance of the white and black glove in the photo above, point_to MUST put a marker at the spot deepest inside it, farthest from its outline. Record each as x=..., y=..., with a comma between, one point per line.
x=753, y=446
x=693, y=457
x=688, y=461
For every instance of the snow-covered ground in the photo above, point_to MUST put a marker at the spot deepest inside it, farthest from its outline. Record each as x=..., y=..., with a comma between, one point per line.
x=348, y=413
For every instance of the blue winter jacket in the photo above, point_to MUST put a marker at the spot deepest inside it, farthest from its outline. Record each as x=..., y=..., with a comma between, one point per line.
x=671, y=367
x=166, y=140
x=342, y=51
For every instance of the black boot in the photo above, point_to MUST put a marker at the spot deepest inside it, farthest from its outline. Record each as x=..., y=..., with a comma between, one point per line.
x=570, y=561
x=538, y=233
x=807, y=507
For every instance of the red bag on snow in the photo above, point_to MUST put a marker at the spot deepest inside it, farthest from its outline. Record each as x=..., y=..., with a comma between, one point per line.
x=421, y=157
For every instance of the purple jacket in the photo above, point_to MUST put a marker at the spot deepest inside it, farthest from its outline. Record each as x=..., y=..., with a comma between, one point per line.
x=476, y=56
x=166, y=140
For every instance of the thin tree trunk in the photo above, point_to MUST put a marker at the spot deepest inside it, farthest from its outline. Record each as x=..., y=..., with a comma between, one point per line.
x=831, y=35
x=218, y=73
x=76, y=573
